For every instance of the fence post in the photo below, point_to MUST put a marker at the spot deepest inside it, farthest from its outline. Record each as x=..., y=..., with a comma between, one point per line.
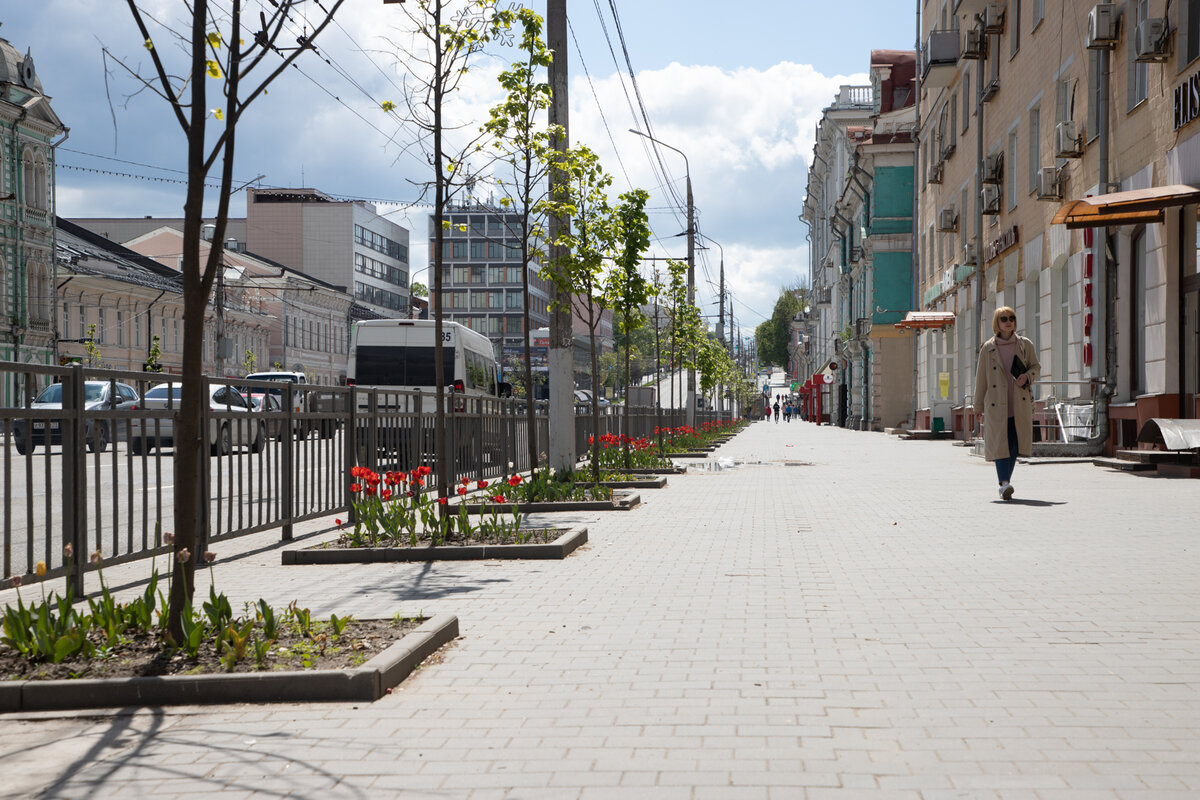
x=74, y=478
x=287, y=461
x=350, y=445
x=204, y=471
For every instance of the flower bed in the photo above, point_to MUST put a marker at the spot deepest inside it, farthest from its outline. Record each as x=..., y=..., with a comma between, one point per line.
x=120, y=653
x=565, y=542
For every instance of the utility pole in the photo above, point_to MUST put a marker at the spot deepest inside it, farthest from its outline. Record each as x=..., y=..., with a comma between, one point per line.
x=690, y=411
x=561, y=355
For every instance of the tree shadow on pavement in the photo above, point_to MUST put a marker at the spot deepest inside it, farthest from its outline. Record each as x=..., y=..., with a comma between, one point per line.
x=426, y=584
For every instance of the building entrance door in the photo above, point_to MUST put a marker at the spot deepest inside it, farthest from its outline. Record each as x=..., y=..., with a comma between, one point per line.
x=1190, y=396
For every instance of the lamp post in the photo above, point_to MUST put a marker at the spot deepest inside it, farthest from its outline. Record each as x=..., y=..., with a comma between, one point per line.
x=690, y=411
x=720, y=305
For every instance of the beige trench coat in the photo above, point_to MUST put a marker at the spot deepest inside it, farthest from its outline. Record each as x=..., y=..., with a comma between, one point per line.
x=991, y=399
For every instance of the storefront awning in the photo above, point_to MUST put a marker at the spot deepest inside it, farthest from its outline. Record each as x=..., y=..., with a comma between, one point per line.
x=926, y=319
x=1125, y=208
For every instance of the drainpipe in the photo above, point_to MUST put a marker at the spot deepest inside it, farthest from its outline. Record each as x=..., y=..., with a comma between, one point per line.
x=980, y=75
x=916, y=215
x=1097, y=443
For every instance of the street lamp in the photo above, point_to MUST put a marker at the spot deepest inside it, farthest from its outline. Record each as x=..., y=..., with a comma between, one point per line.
x=690, y=411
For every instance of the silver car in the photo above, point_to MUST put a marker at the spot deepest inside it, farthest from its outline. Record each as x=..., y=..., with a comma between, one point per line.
x=225, y=430
x=98, y=396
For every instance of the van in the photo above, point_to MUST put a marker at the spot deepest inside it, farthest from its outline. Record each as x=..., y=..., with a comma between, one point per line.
x=397, y=359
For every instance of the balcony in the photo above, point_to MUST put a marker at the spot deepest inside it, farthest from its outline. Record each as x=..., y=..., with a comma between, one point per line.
x=823, y=296
x=854, y=98
x=939, y=59
x=862, y=327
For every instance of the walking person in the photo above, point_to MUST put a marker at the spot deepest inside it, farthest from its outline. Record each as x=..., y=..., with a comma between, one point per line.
x=776, y=410
x=1008, y=366
x=787, y=411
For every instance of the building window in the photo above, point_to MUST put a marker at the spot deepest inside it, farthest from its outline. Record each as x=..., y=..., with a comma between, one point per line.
x=120, y=328
x=1035, y=146
x=1139, y=73
x=1137, y=313
x=101, y=326
x=1189, y=32
x=64, y=323
x=966, y=101
x=1010, y=170
x=1014, y=27
x=1093, y=112
x=83, y=323
x=478, y=250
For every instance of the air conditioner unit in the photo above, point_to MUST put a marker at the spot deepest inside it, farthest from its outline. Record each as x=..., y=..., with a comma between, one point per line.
x=1049, y=184
x=990, y=200
x=1102, y=26
x=935, y=172
x=993, y=168
x=970, y=256
x=1150, y=40
x=947, y=221
x=976, y=44
x=949, y=143
x=993, y=18
x=1067, y=141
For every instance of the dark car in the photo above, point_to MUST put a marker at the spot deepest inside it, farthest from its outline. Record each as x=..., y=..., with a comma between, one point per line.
x=98, y=396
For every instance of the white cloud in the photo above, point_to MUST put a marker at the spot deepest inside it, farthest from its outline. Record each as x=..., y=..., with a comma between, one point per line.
x=747, y=134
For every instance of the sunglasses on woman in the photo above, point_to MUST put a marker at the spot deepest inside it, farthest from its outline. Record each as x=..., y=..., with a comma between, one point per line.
x=1008, y=319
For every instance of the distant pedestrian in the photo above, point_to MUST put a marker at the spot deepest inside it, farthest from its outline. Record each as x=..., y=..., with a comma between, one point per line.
x=787, y=412
x=777, y=412
x=1008, y=366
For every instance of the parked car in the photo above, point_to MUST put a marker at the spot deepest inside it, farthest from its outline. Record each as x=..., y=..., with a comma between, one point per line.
x=269, y=402
x=583, y=397
x=98, y=396
x=223, y=434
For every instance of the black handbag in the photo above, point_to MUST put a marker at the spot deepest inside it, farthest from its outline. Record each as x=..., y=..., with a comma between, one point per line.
x=1018, y=367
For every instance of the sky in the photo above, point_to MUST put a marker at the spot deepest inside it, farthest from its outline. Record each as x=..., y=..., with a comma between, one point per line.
x=738, y=88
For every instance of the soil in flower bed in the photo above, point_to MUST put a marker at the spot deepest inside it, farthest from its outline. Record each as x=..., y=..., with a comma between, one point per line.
x=523, y=536
x=143, y=655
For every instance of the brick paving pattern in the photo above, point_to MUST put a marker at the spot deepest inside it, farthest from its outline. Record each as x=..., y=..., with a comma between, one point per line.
x=842, y=615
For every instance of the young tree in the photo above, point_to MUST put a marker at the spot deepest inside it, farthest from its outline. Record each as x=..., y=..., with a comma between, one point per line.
x=523, y=143
x=446, y=36
x=773, y=334
x=627, y=290
x=241, y=57
x=589, y=239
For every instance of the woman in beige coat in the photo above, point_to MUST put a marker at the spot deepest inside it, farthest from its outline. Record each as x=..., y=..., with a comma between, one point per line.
x=1004, y=396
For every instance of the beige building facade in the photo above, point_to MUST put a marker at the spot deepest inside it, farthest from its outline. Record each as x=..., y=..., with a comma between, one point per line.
x=1077, y=100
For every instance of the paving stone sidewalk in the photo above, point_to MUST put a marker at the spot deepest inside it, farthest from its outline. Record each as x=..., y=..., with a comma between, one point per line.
x=831, y=614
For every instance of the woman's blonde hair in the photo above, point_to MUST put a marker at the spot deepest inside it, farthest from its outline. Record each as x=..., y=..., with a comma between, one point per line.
x=999, y=312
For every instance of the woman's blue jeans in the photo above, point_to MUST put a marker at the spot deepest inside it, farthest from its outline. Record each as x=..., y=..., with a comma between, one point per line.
x=1005, y=466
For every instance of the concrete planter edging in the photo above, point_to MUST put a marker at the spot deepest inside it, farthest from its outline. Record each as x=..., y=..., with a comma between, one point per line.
x=616, y=504
x=659, y=482
x=564, y=545
x=358, y=684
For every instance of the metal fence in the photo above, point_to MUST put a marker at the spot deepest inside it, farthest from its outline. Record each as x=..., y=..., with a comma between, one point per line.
x=101, y=475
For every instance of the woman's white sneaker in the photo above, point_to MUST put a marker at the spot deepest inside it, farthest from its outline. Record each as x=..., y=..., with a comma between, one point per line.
x=1006, y=491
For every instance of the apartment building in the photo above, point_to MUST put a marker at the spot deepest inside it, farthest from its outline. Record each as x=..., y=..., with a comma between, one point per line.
x=28, y=127
x=481, y=275
x=340, y=242
x=859, y=208
x=1058, y=152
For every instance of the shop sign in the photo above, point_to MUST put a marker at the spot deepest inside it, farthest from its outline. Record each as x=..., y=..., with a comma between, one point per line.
x=1186, y=106
x=1007, y=239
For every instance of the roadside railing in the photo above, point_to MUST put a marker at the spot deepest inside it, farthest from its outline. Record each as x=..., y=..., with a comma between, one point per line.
x=103, y=477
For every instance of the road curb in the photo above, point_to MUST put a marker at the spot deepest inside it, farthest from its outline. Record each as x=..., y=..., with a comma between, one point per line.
x=358, y=684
